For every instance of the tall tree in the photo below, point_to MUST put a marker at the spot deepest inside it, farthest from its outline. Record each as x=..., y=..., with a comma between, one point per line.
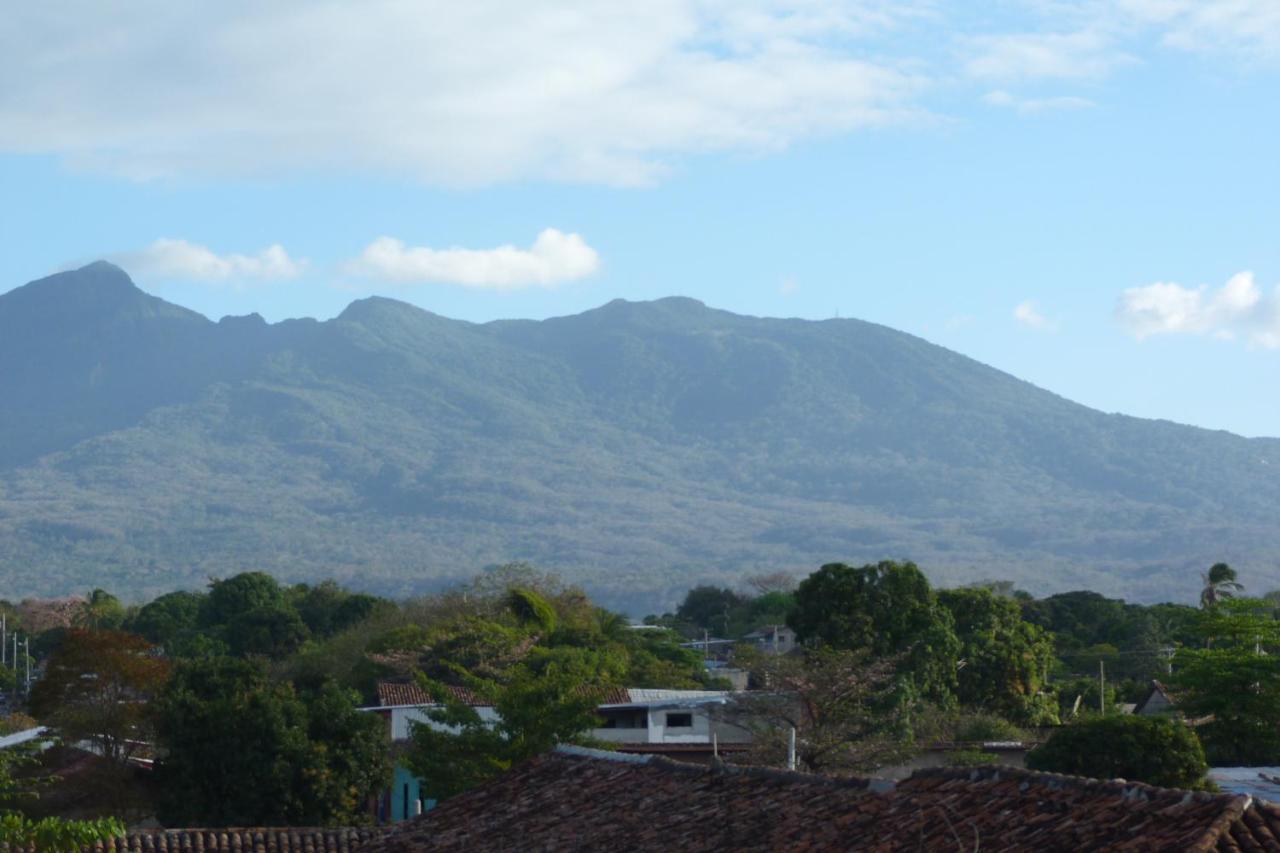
x=101, y=609
x=709, y=608
x=1005, y=661
x=98, y=686
x=1234, y=686
x=241, y=749
x=842, y=704
x=887, y=608
x=1220, y=584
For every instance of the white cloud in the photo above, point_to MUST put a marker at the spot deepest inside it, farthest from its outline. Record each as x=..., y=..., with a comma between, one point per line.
x=451, y=93
x=554, y=257
x=179, y=259
x=1237, y=309
x=1088, y=54
x=788, y=286
x=1035, y=106
x=1028, y=315
x=1241, y=28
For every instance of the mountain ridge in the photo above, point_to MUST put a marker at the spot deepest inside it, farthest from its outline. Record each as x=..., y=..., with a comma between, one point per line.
x=638, y=447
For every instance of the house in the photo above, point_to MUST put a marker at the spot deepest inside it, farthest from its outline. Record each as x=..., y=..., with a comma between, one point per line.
x=401, y=704
x=772, y=639
x=586, y=800
x=1157, y=700
x=680, y=723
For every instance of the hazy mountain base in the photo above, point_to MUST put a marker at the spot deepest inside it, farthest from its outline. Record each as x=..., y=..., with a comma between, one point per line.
x=637, y=448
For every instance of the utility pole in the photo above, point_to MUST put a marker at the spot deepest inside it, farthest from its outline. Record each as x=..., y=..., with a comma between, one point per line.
x=1102, y=687
x=791, y=749
x=26, y=652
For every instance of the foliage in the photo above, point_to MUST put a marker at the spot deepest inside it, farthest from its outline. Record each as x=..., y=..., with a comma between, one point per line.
x=101, y=610
x=51, y=834
x=98, y=687
x=843, y=704
x=1005, y=661
x=234, y=596
x=709, y=607
x=1155, y=750
x=272, y=630
x=1220, y=584
x=971, y=758
x=548, y=699
x=168, y=619
x=1235, y=680
x=984, y=728
x=887, y=608
x=240, y=749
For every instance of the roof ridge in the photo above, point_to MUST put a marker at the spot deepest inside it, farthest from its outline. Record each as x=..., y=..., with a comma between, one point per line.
x=973, y=774
x=723, y=769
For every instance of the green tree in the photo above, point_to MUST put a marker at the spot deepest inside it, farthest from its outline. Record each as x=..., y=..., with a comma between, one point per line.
x=327, y=608
x=273, y=631
x=101, y=609
x=1234, y=684
x=1220, y=584
x=889, y=609
x=1155, y=750
x=239, y=594
x=168, y=619
x=241, y=749
x=709, y=608
x=547, y=699
x=1005, y=661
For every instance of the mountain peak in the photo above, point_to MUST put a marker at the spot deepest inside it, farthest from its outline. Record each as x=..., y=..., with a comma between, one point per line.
x=98, y=290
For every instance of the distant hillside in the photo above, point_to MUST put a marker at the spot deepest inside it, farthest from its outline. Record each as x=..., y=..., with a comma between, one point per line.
x=637, y=448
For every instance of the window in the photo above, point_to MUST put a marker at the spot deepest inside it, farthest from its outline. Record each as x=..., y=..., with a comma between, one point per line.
x=679, y=721
x=625, y=719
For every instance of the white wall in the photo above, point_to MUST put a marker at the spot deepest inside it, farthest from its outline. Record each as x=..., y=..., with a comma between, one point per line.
x=401, y=717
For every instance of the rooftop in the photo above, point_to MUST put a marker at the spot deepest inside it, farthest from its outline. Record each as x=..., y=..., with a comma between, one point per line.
x=577, y=799
x=267, y=840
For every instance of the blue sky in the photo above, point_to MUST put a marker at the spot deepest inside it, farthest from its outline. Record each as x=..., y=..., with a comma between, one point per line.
x=1080, y=193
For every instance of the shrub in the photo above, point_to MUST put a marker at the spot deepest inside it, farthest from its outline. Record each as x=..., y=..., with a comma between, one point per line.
x=1155, y=750
x=982, y=728
x=971, y=758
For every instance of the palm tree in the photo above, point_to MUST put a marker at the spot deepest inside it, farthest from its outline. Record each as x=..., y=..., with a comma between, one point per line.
x=1219, y=584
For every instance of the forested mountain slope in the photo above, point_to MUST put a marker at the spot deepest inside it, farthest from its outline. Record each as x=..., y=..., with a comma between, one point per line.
x=635, y=448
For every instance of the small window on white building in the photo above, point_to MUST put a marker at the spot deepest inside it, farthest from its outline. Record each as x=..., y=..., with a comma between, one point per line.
x=679, y=721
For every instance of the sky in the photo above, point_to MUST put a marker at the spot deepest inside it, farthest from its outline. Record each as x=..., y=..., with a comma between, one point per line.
x=1084, y=194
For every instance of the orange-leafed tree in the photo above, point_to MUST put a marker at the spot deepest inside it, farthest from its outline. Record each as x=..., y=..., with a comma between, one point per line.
x=98, y=687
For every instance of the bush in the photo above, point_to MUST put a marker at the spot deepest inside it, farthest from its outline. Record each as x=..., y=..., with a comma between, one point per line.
x=984, y=728
x=971, y=758
x=1155, y=750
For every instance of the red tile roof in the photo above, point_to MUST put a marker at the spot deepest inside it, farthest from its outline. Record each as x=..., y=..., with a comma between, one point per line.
x=391, y=693
x=585, y=800
x=267, y=840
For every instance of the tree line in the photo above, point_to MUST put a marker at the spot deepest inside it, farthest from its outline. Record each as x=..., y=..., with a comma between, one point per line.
x=247, y=694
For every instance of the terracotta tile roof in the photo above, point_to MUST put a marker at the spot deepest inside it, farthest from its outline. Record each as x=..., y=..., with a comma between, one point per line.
x=409, y=693
x=584, y=800
x=392, y=693
x=263, y=840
